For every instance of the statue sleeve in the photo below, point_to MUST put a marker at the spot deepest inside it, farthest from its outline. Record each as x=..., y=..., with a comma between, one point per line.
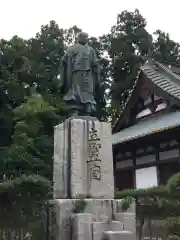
x=99, y=92
x=94, y=58
x=96, y=66
x=69, y=70
x=65, y=74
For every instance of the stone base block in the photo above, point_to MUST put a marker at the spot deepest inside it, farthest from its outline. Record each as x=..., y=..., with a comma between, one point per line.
x=98, y=228
x=119, y=217
x=101, y=209
x=81, y=226
x=116, y=225
x=78, y=218
x=130, y=222
x=117, y=235
x=63, y=210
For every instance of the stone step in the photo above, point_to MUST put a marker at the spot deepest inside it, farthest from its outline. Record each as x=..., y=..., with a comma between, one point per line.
x=116, y=225
x=98, y=228
x=128, y=219
x=124, y=215
x=81, y=224
x=117, y=235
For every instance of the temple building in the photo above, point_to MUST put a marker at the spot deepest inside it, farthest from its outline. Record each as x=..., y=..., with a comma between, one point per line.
x=146, y=137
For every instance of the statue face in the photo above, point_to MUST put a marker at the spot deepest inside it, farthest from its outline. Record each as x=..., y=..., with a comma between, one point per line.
x=83, y=38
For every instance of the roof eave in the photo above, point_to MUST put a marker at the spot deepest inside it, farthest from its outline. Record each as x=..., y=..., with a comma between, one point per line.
x=116, y=126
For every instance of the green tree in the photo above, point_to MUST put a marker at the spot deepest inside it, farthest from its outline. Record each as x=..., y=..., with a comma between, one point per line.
x=70, y=35
x=97, y=43
x=28, y=67
x=157, y=203
x=12, y=90
x=165, y=49
x=129, y=43
x=30, y=106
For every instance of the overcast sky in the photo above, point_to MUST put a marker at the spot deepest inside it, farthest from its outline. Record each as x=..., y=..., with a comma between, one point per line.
x=24, y=17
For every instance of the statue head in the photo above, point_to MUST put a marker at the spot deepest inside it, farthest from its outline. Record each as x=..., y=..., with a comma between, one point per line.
x=83, y=38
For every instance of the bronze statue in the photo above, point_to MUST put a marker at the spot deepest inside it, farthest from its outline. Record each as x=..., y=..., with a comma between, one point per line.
x=80, y=78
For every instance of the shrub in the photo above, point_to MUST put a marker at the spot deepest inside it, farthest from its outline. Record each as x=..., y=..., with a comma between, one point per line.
x=173, y=185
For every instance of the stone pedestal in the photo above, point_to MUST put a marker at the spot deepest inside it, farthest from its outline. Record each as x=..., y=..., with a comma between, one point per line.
x=83, y=163
x=84, y=183
x=89, y=219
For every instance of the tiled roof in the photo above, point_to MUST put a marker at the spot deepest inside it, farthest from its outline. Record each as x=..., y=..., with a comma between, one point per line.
x=161, y=76
x=147, y=127
x=164, y=78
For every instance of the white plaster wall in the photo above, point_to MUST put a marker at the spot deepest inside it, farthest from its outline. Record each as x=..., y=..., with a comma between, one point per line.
x=146, y=177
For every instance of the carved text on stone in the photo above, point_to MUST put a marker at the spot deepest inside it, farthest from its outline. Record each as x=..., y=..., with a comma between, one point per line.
x=94, y=162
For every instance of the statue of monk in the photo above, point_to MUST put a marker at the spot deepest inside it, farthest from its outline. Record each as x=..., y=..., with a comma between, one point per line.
x=80, y=77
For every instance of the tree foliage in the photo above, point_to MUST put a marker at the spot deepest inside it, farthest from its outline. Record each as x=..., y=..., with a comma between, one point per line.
x=30, y=107
x=130, y=42
x=157, y=203
x=166, y=49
